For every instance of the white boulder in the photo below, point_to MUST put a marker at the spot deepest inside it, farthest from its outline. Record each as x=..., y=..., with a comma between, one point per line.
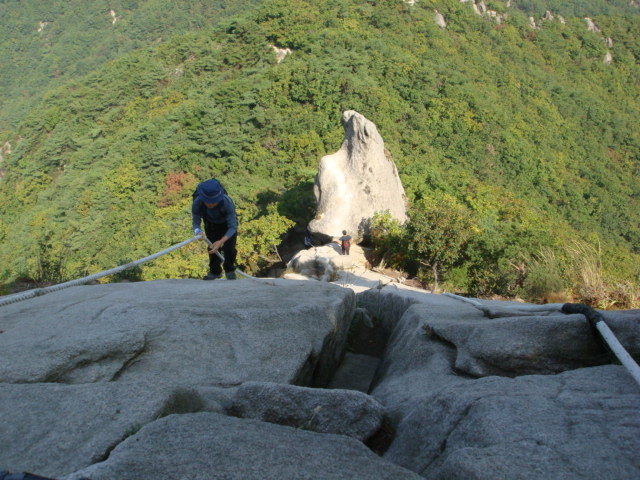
x=355, y=182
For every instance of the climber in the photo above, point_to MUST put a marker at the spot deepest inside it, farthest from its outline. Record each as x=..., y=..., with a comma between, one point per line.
x=345, y=242
x=212, y=204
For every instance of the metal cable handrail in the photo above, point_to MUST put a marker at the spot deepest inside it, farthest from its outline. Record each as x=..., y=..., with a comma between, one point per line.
x=36, y=292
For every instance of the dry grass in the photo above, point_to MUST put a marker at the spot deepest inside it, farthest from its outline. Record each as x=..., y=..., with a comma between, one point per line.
x=576, y=276
x=543, y=282
x=590, y=285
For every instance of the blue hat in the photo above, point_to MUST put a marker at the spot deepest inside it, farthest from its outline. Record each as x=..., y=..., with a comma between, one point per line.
x=211, y=191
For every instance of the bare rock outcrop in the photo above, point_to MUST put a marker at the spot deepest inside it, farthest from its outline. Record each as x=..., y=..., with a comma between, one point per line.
x=534, y=344
x=343, y=412
x=531, y=427
x=325, y=263
x=355, y=182
x=87, y=367
x=129, y=333
x=55, y=429
x=212, y=380
x=481, y=9
x=209, y=446
x=591, y=26
x=281, y=53
x=450, y=423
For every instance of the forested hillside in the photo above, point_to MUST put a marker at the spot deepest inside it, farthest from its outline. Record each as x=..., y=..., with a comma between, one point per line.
x=45, y=43
x=517, y=144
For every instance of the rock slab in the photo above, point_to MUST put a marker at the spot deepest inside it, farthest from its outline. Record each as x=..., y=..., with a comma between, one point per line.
x=178, y=332
x=209, y=446
x=343, y=412
x=575, y=425
x=55, y=429
x=454, y=419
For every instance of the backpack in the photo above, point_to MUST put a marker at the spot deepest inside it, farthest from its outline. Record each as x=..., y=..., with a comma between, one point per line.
x=346, y=244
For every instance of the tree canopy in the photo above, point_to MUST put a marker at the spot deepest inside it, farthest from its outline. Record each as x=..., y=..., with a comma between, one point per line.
x=527, y=132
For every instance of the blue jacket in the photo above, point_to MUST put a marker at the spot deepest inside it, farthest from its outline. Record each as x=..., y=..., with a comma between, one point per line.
x=223, y=212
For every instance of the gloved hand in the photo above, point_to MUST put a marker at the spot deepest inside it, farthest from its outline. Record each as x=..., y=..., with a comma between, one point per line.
x=199, y=233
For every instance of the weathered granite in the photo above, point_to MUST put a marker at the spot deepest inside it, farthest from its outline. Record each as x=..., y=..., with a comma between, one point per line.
x=520, y=338
x=520, y=345
x=319, y=263
x=412, y=363
x=576, y=425
x=208, y=446
x=389, y=303
x=55, y=429
x=182, y=332
x=125, y=355
x=355, y=182
x=343, y=412
x=582, y=423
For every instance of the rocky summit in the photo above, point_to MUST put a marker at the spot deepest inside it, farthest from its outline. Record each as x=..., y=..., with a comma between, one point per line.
x=255, y=379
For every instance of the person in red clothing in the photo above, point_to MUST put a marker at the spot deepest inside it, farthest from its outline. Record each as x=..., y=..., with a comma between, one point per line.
x=345, y=242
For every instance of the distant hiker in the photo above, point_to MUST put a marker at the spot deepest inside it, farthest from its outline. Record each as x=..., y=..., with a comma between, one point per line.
x=212, y=204
x=345, y=242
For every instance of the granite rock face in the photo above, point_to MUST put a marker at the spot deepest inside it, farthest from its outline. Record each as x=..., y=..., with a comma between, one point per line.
x=455, y=419
x=212, y=380
x=355, y=182
x=180, y=332
x=85, y=368
x=520, y=345
x=54, y=429
x=209, y=446
x=343, y=412
x=575, y=425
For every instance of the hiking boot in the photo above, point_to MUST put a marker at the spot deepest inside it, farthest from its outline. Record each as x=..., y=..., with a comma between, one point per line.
x=231, y=275
x=212, y=276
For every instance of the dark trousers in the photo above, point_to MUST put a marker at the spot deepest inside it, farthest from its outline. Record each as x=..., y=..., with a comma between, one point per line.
x=215, y=231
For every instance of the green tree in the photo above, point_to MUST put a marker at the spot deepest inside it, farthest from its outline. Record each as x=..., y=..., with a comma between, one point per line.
x=438, y=233
x=259, y=238
x=389, y=240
